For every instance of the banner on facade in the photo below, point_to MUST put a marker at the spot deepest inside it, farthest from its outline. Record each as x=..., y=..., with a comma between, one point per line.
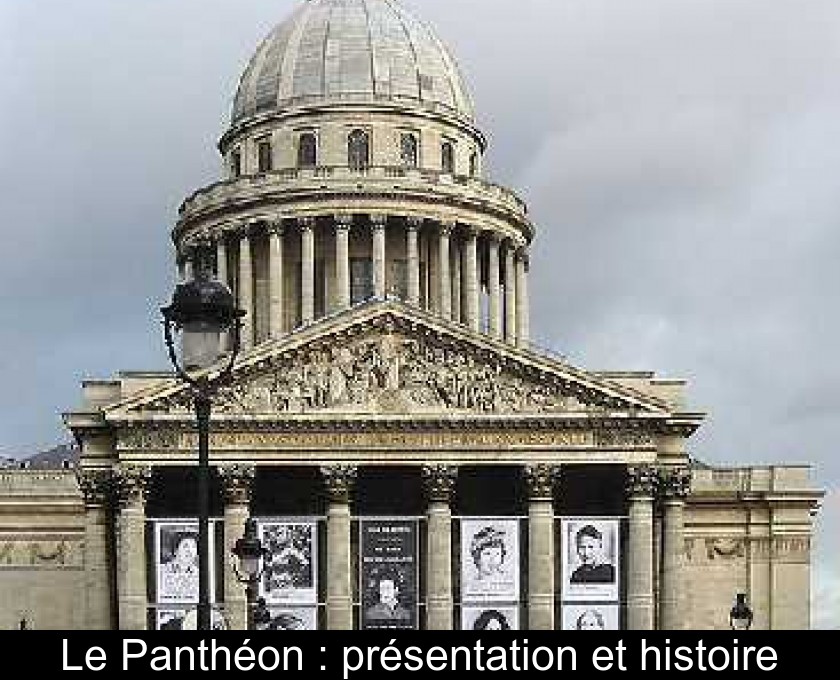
x=490, y=559
x=490, y=617
x=290, y=570
x=388, y=573
x=590, y=553
x=292, y=618
x=176, y=561
x=590, y=616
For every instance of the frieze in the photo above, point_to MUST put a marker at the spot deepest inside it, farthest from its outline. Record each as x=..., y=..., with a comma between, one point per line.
x=44, y=553
x=724, y=548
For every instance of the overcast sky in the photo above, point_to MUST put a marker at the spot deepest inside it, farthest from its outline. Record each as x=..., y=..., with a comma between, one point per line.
x=680, y=159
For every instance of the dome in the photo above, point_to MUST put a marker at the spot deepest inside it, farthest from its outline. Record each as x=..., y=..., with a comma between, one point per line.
x=351, y=51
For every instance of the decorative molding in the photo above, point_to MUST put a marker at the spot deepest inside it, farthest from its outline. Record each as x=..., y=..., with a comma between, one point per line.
x=541, y=479
x=725, y=548
x=439, y=482
x=339, y=481
x=237, y=483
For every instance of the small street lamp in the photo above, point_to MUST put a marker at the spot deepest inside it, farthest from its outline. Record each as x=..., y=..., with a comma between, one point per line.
x=250, y=553
x=202, y=310
x=740, y=616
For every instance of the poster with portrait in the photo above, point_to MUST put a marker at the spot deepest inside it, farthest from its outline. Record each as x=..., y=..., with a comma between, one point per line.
x=187, y=619
x=590, y=616
x=290, y=569
x=490, y=617
x=590, y=551
x=489, y=559
x=388, y=573
x=176, y=561
x=292, y=618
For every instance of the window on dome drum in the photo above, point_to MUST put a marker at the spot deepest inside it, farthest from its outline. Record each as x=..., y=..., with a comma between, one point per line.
x=473, y=164
x=235, y=164
x=263, y=156
x=307, y=150
x=358, y=150
x=408, y=150
x=447, y=158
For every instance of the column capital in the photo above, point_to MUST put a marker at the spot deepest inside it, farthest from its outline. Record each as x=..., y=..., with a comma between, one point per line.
x=97, y=485
x=306, y=223
x=439, y=482
x=275, y=227
x=343, y=221
x=540, y=479
x=521, y=254
x=413, y=223
x=675, y=482
x=642, y=481
x=446, y=228
x=237, y=483
x=131, y=484
x=377, y=220
x=492, y=237
x=339, y=481
x=218, y=236
x=470, y=231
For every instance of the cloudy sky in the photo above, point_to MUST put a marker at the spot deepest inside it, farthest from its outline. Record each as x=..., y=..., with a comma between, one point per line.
x=680, y=158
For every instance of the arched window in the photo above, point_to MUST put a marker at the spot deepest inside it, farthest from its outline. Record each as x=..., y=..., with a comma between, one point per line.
x=236, y=164
x=264, y=161
x=408, y=150
x=358, y=150
x=473, y=164
x=447, y=158
x=307, y=150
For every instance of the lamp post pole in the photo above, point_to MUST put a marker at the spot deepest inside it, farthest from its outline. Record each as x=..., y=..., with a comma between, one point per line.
x=202, y=413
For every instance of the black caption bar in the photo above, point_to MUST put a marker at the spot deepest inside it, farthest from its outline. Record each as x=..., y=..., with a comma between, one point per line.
x=348, y=655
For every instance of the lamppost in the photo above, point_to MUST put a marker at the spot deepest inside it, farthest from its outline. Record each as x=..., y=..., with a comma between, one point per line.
x=250, y=553
x=740, y=616
x=201, y=311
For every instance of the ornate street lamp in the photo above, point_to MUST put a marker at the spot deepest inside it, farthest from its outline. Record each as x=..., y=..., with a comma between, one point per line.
x=740, y=616
x=202, y=310
x=250, y=553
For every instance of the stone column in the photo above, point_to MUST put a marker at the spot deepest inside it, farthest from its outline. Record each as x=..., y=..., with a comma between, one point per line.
x=510, y=295
x=131, y=485
x=377, y=225
x=237, y=482
x=444, y=281
x=440, y=484
x=675, y=484
x=97, y=489
x=412, y=227
x=493, y=286
x=339, y=480
x=342, y=260
x=456, y=272
x=540, y=480
x=471, y=282
x=189, y=268
x=275, y=279
x=307, y=269
x=221, y=260
x=246, y=289
x=641, y=489
x=522, y=320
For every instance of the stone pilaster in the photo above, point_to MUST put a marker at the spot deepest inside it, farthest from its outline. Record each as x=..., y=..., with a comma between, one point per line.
x=307, y=269
x=237, y=483
x=413, y=256
x=97, y=486
x=471, y=282
x=641, y=490
x=131, y=485
x=444, y=280
x=246, y=289
x=494, y=287
x=275, y=279
x=675, y=485
x=540, y=480
x=377, y=225
x=342, y=260
x=439, y=481
x=510, y=295
x=522, y=303
x=338, y=481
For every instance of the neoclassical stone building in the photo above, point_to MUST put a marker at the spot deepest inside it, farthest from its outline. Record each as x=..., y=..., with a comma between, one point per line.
x=388, y=419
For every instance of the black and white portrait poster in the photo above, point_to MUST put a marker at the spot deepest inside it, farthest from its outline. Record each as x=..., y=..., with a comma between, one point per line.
x=590, y=559
x=292, y=618
x=176, y=560
x=490, y=617
x=290, y=569
x=388, y=553
x=187, y=619
x=590, y=616
x=490, y=559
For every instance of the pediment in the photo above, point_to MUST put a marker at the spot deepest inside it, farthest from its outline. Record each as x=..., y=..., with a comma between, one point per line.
x=392, y=360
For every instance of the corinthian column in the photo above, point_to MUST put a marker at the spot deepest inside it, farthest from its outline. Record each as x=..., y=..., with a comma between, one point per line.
x=131, y=485
x=377, y=224
x=412, y=254
x=444, y=280
x=641, y=488
x=471, y=282
x=275, y=278
x=307, y=269
x=342, y=260
x=522, y=303
x=246, y=289
x=440, y=483
x=221, y=260
x=237, y=482
x=493, y=286
x=510, y=295
x=97, y=489
x=339, y=480
x=540, y=480
x=676, y=482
